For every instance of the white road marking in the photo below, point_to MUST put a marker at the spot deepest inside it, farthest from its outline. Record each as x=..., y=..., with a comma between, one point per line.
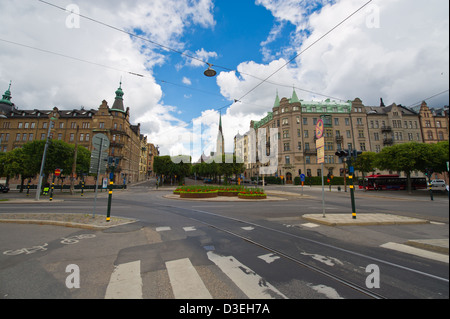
x=269, y=258
x=310, y=225
x=125, y=282
x=246, y=279
x=417, y=251
x=159, y=229
x=248, y=228
x=330, y=261
x=190, y=228
x=185, y=281
x=329, y=292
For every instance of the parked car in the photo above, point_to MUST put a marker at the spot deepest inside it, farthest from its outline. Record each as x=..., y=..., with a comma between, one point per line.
x=438, y=185
x=4, y=189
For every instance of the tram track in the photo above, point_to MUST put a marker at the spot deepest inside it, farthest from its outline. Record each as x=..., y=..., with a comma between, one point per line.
x=288, y=256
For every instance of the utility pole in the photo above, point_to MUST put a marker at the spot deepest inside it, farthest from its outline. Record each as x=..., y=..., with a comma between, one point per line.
x=74, y=165
x=44, y=157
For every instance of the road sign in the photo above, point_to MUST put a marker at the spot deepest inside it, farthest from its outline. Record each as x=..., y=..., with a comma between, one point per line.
x=321, y=155
x=57, y=172
x=302, y=177
x=100, y=139
x=319, y=129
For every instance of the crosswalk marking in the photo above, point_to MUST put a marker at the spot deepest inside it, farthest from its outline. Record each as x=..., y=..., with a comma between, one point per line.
x=246, y=279
x=125, y=282
x=185, y=281
x=417, y=251
x=165, y=228
x=190, y=228
x=269, y=258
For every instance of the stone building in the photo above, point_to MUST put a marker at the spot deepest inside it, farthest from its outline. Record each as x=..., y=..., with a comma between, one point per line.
x=18, y=127
x=347, y=125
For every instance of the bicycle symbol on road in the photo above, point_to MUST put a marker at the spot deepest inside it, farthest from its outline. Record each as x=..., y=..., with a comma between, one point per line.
x=65, y=241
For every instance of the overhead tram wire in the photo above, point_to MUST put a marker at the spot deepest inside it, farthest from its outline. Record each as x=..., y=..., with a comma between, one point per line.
x=165, y=47
x=307, y=48
x=105, y=66
x=429, y=98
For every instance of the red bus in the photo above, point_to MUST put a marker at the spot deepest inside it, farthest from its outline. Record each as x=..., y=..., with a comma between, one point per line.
x=391, y=182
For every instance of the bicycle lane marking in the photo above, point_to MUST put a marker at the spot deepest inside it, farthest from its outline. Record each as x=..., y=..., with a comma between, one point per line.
x=44, y=247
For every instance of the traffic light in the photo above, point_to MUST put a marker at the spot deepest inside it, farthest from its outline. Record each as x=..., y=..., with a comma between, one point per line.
x=356, y=153
x=342, y=154
x=429, y=172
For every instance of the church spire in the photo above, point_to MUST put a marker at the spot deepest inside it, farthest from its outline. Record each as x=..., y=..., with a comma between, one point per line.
x=220, y=146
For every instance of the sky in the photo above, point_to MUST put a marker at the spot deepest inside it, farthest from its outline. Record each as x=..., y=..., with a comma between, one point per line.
x=397, y=50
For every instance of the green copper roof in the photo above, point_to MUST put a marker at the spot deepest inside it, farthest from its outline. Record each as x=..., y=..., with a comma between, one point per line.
x=294, y=98
x=118, y=103
x=277, y=101
x=7, y=96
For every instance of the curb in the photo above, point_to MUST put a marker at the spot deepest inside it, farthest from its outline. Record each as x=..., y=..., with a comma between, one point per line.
x=366, y=220
x=62, y=224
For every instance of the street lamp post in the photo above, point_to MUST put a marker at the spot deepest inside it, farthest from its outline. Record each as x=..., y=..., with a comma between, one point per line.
x=44, y=157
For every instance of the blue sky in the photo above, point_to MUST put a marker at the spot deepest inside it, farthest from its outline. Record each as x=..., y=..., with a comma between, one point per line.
x=397, y=50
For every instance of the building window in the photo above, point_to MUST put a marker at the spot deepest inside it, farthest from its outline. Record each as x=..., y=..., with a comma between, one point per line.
x=102, y=124
x=305, y=121
x=347, y=121
x=336, y=121
x=18, y=137
x=287, y=160
x=61, y=125
x=31, y=137
x=285, y=134
x=72, y=137
x=44, y=125
x=59, y=137
x=81, y=137
x=362, y=146
x=87, y=137
x=20, y=125
x=308, y=161
x=306, y=135
x=285, y=121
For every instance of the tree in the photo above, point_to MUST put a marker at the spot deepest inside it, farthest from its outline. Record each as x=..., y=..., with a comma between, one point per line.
x=365, y=163
x=407, y=157
x=165, y=165
x=26, y=161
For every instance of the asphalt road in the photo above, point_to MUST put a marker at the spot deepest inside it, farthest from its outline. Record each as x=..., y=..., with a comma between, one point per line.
x=224, y=250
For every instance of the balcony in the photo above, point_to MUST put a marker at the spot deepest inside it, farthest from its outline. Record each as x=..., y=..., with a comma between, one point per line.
x=310, y=152
x=388, y=141
x=386, y=129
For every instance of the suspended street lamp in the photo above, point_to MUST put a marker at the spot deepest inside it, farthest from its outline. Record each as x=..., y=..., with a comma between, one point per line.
x=210, y=72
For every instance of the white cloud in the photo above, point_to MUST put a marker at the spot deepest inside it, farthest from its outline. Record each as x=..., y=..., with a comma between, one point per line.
x=401, y=60
x=186, y=81
x=41, y=80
